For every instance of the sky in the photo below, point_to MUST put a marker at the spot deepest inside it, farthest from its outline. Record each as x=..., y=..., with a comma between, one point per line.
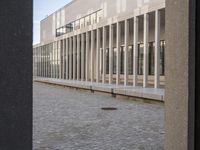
x=41, y=9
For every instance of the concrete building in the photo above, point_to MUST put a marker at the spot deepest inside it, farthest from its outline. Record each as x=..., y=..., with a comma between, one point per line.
x=115, y=42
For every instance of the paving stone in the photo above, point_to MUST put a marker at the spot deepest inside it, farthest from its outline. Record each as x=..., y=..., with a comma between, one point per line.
x=68, y=119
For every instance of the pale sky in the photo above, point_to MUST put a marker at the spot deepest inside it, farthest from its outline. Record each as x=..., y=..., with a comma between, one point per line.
x=42, y=8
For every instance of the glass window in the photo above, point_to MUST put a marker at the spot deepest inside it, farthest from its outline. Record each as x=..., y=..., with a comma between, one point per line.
x=77, y=24
x=130, y=59
x=140, y=58
x=101, y=60
x=115, y=61
x=107, y=60
x=122, y=60
x=63, y=30
x=82, y=22
x=99, y=15
x=151, y=58
x=162, y=58
x=93, y=18
x=73, y=26
x=69, y=27
x=87, y=20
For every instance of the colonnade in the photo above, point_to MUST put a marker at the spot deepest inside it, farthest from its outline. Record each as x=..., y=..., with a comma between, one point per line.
x=81, y=58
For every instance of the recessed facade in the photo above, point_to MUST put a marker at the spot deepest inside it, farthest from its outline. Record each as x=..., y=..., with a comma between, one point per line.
x=118, y=42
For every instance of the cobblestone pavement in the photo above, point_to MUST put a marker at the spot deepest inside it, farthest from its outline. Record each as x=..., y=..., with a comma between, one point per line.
x=67, y=119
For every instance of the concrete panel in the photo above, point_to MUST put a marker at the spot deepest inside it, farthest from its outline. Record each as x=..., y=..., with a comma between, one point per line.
x=178, y=66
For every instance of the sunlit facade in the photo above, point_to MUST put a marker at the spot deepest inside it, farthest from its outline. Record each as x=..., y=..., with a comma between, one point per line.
x=118, y=42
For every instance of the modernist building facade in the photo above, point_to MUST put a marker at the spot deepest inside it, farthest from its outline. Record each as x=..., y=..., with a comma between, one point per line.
x=104, y=41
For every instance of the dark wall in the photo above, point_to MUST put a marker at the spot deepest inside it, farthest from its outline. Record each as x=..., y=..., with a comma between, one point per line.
x=197, y=79
x=16, y=74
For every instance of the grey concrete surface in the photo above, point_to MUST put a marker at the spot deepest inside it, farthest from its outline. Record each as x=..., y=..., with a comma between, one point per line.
x=67, y=119
x=138, y=91
x=180, y=76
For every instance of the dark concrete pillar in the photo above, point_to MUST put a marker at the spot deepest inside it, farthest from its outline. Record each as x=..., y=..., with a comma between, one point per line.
x=197, y=78
x=16, y=75
x=180, y=74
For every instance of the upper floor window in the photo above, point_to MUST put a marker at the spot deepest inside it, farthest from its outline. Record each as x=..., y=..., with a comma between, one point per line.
x=93, y=18
x=99, y=15
x=77, y=24
x=87, y=20
x=82, y=22
x=69, y=28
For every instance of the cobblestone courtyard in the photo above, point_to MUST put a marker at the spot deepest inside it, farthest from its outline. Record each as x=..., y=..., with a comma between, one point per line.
x=66, y=119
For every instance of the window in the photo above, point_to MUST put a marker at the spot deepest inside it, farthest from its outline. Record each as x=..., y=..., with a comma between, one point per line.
x=151, y=58
x=82, y=22
x=130, y=59
x=114, y=60
x=107, y=60
x=77, y=25
x=162, y=58
x=140, y=58
x=101, y=60
x=122, y=60
x=69, y=27
x=93, y=18
x=87, y=20
x=99, y=15
x=73, y=26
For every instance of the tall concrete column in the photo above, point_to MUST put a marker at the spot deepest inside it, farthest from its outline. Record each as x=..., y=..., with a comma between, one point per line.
x=57, y=58
x=157, y=50
x=104, y=55
x=126, y=36
x=51, y=60
x=70, y=58
x=67, y=58
x=55, y=63
x=63, y=58
x=180, y=102
x=97, y=55
x=118, y=53
x=54, y=60
x=92, y=56
x=146, y=51
x=42, y=53
x=44, y=60
x=87, y=57
x=82, y=56
x=111, y=54
x=46, y=67
x=78, y=57
x=41, y=61
x=74, y=57
x=36, y=50
x=43, y=64
x=60, y=55
x=135, y=53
